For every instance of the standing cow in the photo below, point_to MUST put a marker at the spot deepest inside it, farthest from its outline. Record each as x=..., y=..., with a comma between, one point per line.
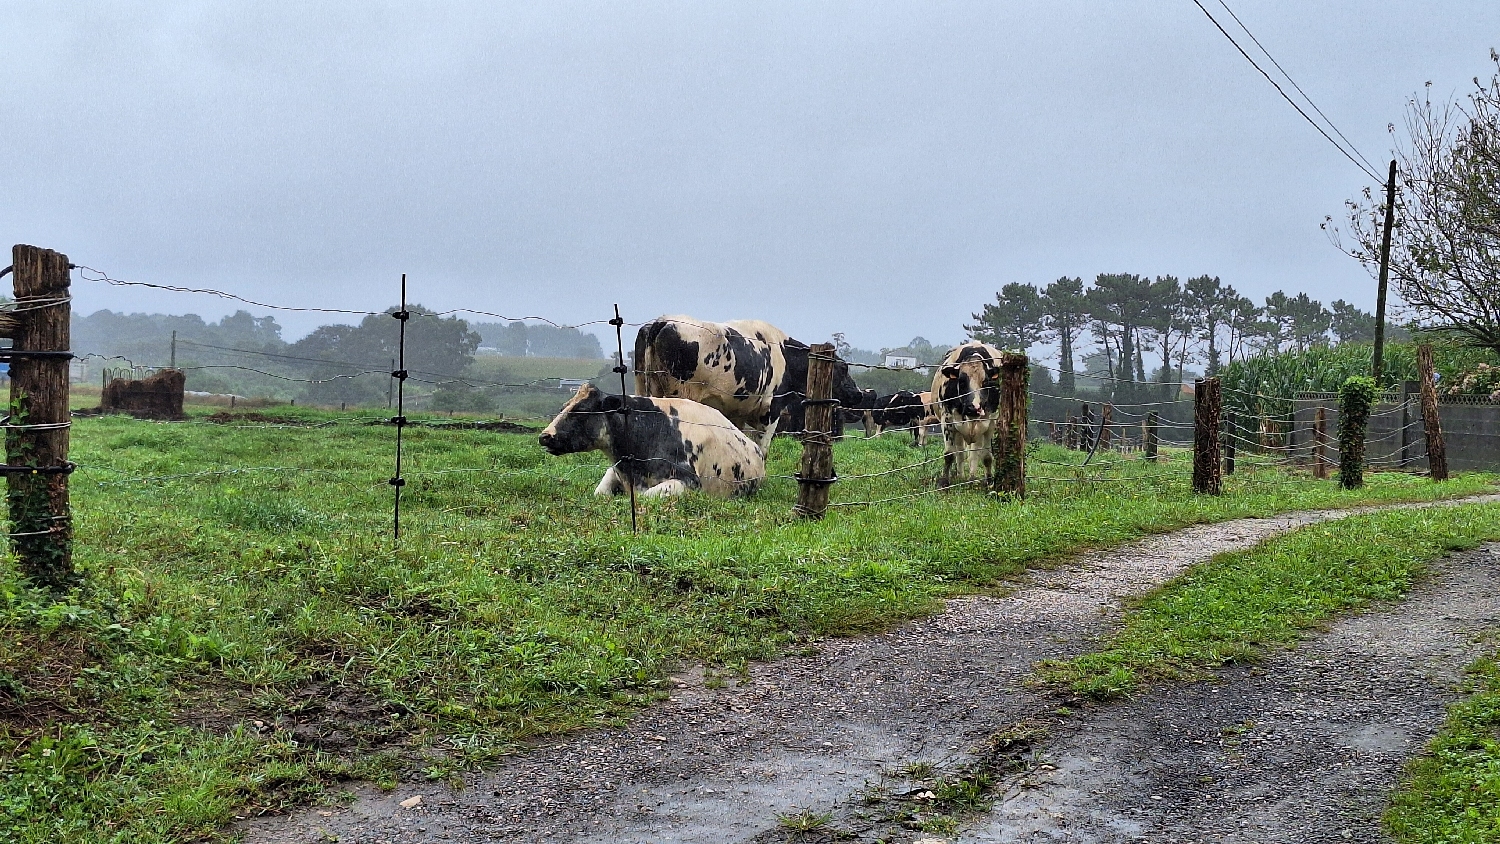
x=666, y=447
x=748, y=370
x=902, y=409
x=966, y=390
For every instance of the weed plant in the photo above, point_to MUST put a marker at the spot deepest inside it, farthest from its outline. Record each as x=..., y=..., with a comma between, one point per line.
x=243, y=639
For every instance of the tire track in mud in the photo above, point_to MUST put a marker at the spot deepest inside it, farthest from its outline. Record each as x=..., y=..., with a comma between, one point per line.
x=804, y=732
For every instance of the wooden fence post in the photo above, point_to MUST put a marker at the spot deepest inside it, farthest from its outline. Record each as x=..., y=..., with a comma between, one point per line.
x=1437, y=452
x=1010, y=439
x=40, y=517
x=817, y=438
x=1149, y=436
x=1320, y=443
x=1207, y=407
x=1070, y=434
x=1106, y=416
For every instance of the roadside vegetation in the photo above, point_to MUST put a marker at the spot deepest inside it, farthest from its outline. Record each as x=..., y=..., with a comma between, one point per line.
x=247, y=637
x=1452, y=794
x=1237, y=607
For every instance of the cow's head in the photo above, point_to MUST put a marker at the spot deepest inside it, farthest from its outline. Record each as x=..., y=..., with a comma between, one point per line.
x=969, y=386
x=580, y=425
x=844, y=389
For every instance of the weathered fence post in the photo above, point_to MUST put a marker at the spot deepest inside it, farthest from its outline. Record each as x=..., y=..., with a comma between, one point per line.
x=1437, y=452
x=1207, y=406
x=1052, y=435
x=1106, y=416
x=1320, y=443
x=1231, y=436
x=817, y=439
x=1070, y=434
x=1149, y=435
x=1010, y=439
x=36, y=444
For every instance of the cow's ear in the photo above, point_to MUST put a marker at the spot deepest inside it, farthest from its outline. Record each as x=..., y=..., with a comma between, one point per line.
x=951, y=371
x=611, y=402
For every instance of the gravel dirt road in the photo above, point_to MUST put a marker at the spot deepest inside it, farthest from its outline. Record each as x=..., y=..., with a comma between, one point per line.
x=1300, y=738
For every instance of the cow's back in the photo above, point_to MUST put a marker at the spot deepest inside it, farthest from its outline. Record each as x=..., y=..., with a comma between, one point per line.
x=731, y=367
x=725, y=460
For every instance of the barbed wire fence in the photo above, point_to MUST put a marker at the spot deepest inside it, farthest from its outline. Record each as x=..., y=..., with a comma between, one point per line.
x=1109, y=448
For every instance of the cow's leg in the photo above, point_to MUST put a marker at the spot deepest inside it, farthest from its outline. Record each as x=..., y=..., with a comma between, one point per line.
x=768, y=432
x=871, y=429
x=613, y=483
x=951, y=448
x=666, y=488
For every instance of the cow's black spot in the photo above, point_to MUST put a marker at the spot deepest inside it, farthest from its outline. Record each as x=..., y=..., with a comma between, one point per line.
x=673, y=354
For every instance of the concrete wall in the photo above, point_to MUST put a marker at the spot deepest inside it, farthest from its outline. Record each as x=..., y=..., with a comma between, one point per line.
x=1396, y=437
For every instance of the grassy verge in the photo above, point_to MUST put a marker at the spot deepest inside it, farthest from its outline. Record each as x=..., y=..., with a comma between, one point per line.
x=1237, y=606
x=1452, y=794
x=248, y=636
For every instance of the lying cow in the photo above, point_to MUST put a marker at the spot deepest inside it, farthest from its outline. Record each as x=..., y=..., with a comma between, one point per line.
x=673, y=445
x=748, y=370
x=966, y=389
x=902, y=409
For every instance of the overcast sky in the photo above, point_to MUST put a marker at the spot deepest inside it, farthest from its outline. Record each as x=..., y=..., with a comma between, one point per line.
x=873, y=168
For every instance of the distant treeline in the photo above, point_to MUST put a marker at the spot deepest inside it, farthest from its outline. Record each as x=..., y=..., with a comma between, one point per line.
x=519, y=339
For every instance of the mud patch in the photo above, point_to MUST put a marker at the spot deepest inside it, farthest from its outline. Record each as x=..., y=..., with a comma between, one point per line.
x=39, y=682
x=336, y=717
x=226, y=418
x=503, y=425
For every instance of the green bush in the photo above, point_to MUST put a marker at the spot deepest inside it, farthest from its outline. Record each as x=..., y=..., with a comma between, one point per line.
x=1356, y=397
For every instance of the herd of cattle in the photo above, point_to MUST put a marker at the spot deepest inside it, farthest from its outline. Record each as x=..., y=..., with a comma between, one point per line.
x=704, y=388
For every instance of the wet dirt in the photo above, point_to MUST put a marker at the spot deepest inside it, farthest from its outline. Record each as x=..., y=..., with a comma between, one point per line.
x=810, y=733
x=1303, y=748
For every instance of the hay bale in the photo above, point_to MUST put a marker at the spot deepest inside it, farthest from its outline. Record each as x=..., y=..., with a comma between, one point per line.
x=158, y=396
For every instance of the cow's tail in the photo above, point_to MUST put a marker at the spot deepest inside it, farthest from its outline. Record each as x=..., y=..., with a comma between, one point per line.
x=646, y=361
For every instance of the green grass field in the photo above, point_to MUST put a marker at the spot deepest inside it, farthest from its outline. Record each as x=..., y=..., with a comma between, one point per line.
x=224, y=613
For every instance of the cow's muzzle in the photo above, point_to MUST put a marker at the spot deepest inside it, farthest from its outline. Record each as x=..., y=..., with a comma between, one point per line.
x=549, y=442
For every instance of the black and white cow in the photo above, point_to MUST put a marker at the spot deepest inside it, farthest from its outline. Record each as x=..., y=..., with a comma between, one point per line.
x=966, y=390
x=750, y=371
x=673, y=445
x=902, y=409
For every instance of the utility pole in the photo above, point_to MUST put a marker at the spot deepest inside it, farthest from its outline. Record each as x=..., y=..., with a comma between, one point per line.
x=173, y=364
x=1378, y=363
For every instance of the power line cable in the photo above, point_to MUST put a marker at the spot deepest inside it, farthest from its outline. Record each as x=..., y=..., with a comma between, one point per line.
x=1289, y=78
x=1356, y=162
